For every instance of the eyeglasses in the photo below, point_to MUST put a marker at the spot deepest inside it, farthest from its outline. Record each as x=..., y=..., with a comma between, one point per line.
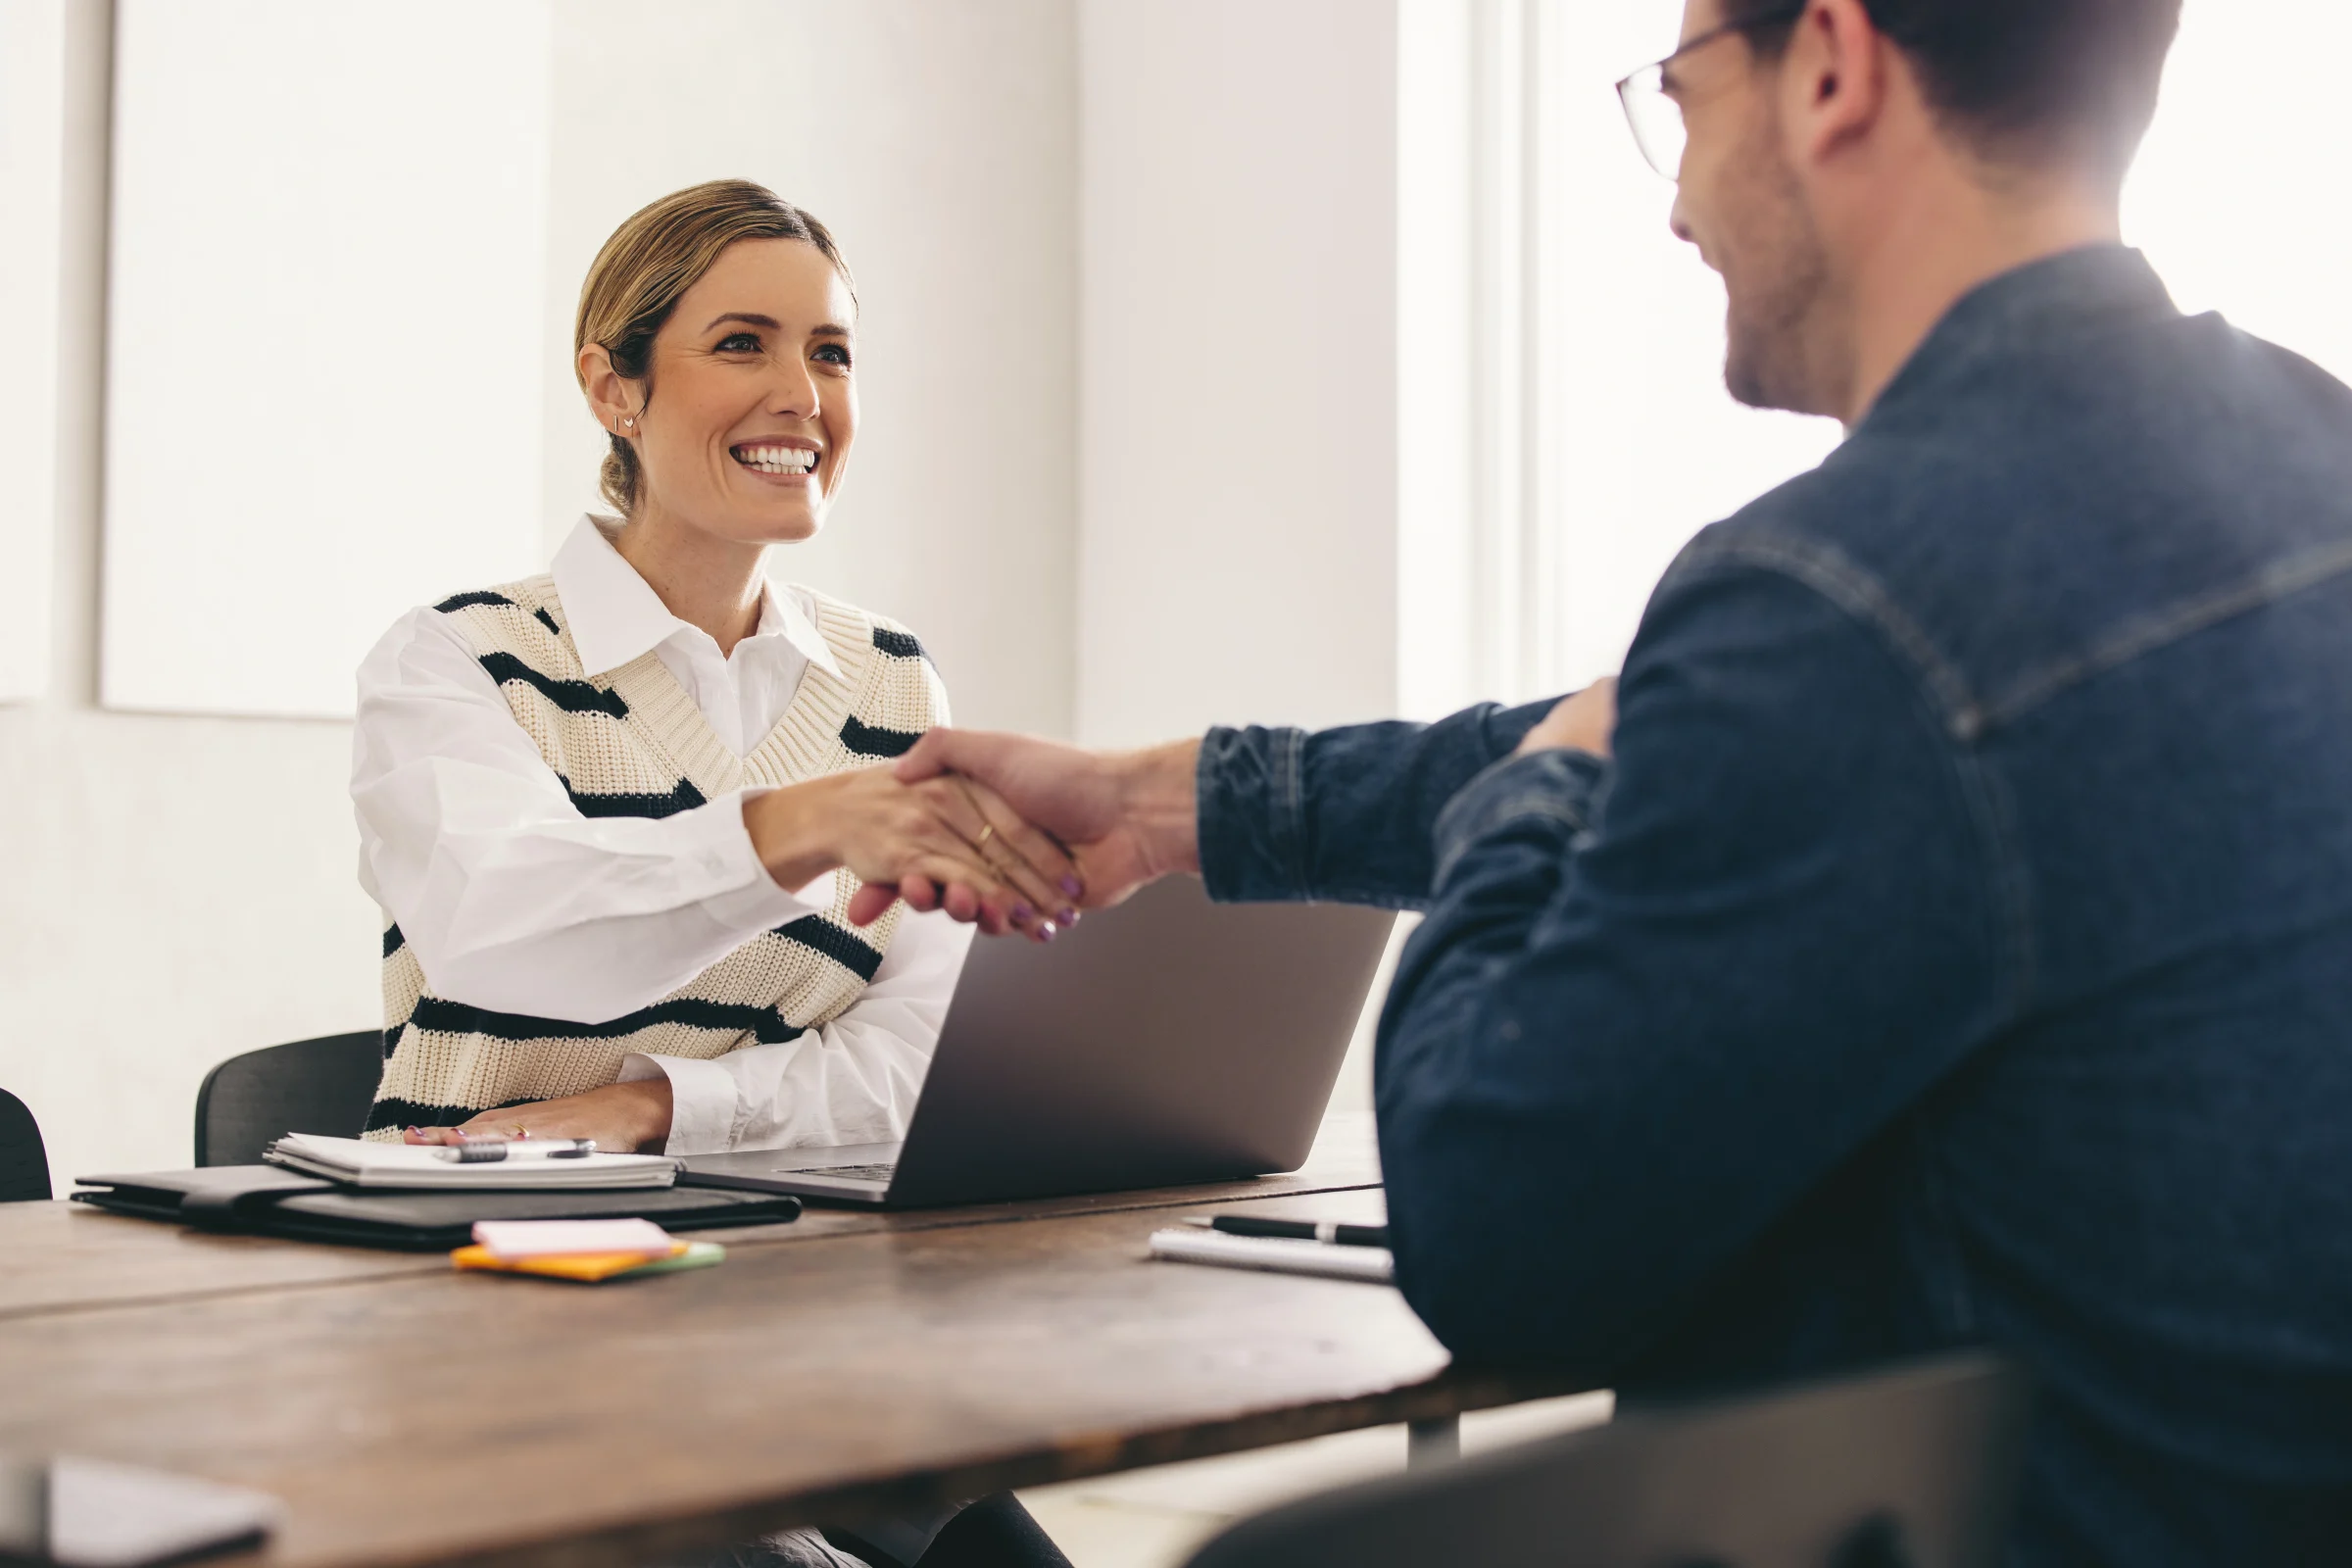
x=1656, y=119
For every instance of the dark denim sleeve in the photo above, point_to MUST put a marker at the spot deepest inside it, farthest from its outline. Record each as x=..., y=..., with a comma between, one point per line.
x=1344, y=815
x=1635, y=1030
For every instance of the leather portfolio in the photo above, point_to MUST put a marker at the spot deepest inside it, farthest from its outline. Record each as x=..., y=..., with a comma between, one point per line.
x=266, y=1200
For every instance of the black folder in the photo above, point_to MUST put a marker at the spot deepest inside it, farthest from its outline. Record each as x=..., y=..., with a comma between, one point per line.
x=267, y=1201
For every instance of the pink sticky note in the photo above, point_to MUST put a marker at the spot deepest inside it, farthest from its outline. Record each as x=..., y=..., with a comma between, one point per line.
x=511, y=1239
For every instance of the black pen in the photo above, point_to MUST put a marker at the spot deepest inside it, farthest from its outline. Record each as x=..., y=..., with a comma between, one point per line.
x=482, y=1150
x=1302, y=1230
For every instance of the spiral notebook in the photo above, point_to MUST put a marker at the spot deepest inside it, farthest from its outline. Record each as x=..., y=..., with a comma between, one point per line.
x=356, y=1162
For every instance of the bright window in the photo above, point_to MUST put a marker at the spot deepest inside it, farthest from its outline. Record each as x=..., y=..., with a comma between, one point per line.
x=2238, y=195
x=1651, y=448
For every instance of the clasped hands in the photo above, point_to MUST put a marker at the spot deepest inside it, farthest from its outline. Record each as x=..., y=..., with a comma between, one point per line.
x=937, y=839
x=1090, y=826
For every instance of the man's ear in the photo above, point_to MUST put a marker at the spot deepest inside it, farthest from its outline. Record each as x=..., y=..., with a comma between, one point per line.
x=613, y=397
x=1835, y=77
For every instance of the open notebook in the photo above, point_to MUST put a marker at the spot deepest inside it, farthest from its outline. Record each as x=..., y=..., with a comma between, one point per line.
x=359, y=1163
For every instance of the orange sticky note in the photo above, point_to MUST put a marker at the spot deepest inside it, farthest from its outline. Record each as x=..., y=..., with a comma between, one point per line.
x=586, y=1266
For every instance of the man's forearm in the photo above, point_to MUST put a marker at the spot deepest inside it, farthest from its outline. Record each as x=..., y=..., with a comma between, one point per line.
x=1344, y=815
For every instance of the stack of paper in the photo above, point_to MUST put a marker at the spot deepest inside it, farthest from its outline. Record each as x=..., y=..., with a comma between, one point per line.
x=589, y=1250
x=359, y=1164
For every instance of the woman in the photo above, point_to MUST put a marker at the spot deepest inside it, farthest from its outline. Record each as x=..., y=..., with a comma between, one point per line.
x=616, y=814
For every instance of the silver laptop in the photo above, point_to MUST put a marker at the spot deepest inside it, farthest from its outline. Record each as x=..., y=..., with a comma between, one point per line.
x=1166, y=1041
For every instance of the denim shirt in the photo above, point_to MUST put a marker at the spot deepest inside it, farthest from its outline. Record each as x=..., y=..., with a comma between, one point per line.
x=1956, y=949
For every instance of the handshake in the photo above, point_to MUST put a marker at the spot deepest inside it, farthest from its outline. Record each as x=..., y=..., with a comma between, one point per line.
x=1016, y=835
x=1020, y=835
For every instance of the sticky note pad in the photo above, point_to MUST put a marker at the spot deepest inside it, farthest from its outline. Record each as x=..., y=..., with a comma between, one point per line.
x=591, y=1268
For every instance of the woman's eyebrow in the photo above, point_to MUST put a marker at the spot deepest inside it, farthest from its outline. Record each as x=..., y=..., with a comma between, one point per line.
x=751, y=318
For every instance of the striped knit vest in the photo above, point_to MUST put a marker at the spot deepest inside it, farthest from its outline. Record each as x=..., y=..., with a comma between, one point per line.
x=632, y=743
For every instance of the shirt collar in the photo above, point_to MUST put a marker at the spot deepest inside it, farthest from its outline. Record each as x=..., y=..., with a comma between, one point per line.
x=2029, y=307
x=613, y=614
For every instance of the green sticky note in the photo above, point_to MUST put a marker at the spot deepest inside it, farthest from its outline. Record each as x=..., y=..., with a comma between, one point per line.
x=698, y=1255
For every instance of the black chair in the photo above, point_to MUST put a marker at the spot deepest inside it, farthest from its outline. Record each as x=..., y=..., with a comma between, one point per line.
x=1911, y=1468
x=312, y=1086
x=23, y=1159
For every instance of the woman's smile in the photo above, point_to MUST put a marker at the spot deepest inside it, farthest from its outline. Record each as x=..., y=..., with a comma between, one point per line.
x=780, y=461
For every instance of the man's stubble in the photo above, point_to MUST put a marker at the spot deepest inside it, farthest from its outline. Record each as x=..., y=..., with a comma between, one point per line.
x=1781, y=333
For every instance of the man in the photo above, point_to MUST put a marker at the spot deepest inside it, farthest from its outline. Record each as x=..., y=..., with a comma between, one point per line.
x=1950, y=939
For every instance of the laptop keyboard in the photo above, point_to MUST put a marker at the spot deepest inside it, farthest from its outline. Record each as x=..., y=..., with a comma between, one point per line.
x=856, y=1173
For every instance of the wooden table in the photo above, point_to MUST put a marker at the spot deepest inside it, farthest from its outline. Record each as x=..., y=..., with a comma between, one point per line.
x=843, y=1365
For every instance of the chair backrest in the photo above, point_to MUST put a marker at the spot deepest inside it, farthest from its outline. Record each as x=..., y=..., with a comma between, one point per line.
x=310, y=1086
x=23, y=1159
x=1911, y=1468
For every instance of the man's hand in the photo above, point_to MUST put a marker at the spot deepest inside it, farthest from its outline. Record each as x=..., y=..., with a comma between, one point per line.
x=1127, y=817
x=1581, y=722
x=623, y=1118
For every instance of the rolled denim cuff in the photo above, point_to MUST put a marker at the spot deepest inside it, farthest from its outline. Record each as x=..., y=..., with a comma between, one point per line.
x=1251, y=785
x=1556, y=787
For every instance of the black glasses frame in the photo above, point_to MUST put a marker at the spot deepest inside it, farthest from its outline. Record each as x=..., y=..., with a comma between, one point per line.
x=1641, y=93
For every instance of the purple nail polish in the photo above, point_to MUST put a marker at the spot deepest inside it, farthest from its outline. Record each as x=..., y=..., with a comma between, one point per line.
x=1073, y=885
x=1022, y=915
x=1067, y=917
x=1047, y=933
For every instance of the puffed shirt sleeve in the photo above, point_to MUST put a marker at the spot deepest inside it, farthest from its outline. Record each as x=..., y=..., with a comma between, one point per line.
x=510, y=897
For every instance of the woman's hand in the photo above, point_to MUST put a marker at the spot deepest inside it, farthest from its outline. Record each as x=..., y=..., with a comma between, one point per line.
x=951, y=833
x=623, y=1118
x=1581, y=722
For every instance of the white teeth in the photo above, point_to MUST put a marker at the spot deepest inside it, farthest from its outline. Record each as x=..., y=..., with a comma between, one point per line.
x=777, y=459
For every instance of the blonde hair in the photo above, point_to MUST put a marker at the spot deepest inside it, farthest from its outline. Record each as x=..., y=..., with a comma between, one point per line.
x=647, y=267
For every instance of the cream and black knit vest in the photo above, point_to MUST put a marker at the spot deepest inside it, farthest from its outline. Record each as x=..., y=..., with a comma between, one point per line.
x=633, y=744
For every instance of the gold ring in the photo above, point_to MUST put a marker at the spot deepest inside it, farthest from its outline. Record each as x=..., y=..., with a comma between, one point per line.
x=988, y=830
x=519, y=1130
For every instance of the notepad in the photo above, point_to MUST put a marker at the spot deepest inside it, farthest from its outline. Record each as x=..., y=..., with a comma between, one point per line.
x=1273, y=1255
x=357, y=1162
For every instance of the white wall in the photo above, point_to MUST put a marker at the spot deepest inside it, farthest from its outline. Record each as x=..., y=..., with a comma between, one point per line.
x=1241, y=411
x=1439, y=667
x=1238, y=419
x=175, y=890
x=31, y=124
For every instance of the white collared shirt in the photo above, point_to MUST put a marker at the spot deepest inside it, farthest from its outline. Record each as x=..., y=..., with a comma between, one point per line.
x=513, y=901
